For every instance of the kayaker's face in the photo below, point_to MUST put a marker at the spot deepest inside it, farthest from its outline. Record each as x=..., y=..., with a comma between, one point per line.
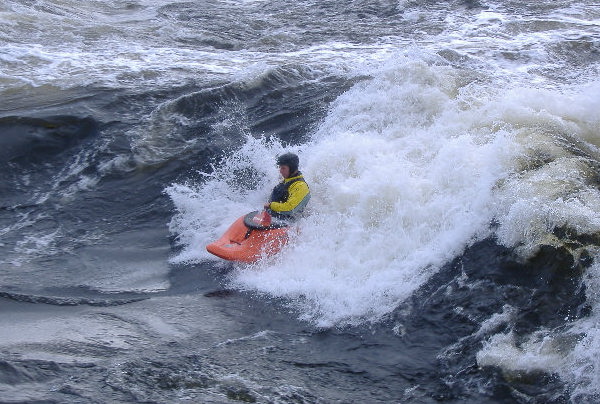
x=284, y=171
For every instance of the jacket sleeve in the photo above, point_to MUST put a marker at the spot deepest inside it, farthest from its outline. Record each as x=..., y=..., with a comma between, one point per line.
x=299, y=194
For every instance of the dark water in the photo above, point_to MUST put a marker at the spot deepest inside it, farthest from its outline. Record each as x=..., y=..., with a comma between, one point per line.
x=450, y=253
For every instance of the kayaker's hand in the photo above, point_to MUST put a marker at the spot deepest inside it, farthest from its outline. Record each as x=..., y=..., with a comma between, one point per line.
x=267, y=205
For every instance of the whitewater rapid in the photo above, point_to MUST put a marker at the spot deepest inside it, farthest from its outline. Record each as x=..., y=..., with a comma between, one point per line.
x=450, y=249
x=408, y=168
x=412, y=165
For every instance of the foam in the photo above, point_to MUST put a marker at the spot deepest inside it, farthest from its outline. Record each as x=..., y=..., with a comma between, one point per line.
x=553, y=184
x=400, y=186
x=407, y=169
x=569, y=352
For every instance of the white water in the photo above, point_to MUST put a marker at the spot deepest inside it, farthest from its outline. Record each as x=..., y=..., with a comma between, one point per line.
x=571, y=353
x=407, y=169
x=58, y=45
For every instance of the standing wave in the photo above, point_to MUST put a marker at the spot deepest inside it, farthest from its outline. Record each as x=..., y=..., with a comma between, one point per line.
x=408, y=169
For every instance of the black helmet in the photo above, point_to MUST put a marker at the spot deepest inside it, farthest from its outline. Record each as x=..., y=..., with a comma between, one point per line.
x=289, y=159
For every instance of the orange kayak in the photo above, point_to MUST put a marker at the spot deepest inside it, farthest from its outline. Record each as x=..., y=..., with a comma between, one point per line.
x=250, y=238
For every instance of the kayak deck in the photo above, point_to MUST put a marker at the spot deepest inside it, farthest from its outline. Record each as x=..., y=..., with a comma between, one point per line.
x=247, y=241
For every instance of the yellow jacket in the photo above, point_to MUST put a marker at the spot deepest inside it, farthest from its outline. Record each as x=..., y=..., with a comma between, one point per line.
x=290, y=196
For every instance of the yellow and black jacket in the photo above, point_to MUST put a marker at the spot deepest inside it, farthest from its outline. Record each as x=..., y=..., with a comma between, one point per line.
x=289, y=197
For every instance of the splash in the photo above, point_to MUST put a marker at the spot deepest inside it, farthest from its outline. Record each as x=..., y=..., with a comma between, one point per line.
x=566, y=352
x=238, y=184
x=402, y=181
x=408, y=169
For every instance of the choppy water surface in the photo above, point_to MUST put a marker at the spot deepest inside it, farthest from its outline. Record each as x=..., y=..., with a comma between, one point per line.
x=450, y=252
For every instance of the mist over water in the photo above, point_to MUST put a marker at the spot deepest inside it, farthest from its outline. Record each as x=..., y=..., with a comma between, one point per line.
x=449, y=252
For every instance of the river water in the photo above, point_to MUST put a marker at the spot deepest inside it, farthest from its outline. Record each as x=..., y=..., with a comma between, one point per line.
x=450, y=252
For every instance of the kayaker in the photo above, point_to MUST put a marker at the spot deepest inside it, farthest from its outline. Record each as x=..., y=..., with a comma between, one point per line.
x=289, y=197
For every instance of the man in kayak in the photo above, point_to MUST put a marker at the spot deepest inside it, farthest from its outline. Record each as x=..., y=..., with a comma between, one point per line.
x=242, y=243
x=290, y=196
